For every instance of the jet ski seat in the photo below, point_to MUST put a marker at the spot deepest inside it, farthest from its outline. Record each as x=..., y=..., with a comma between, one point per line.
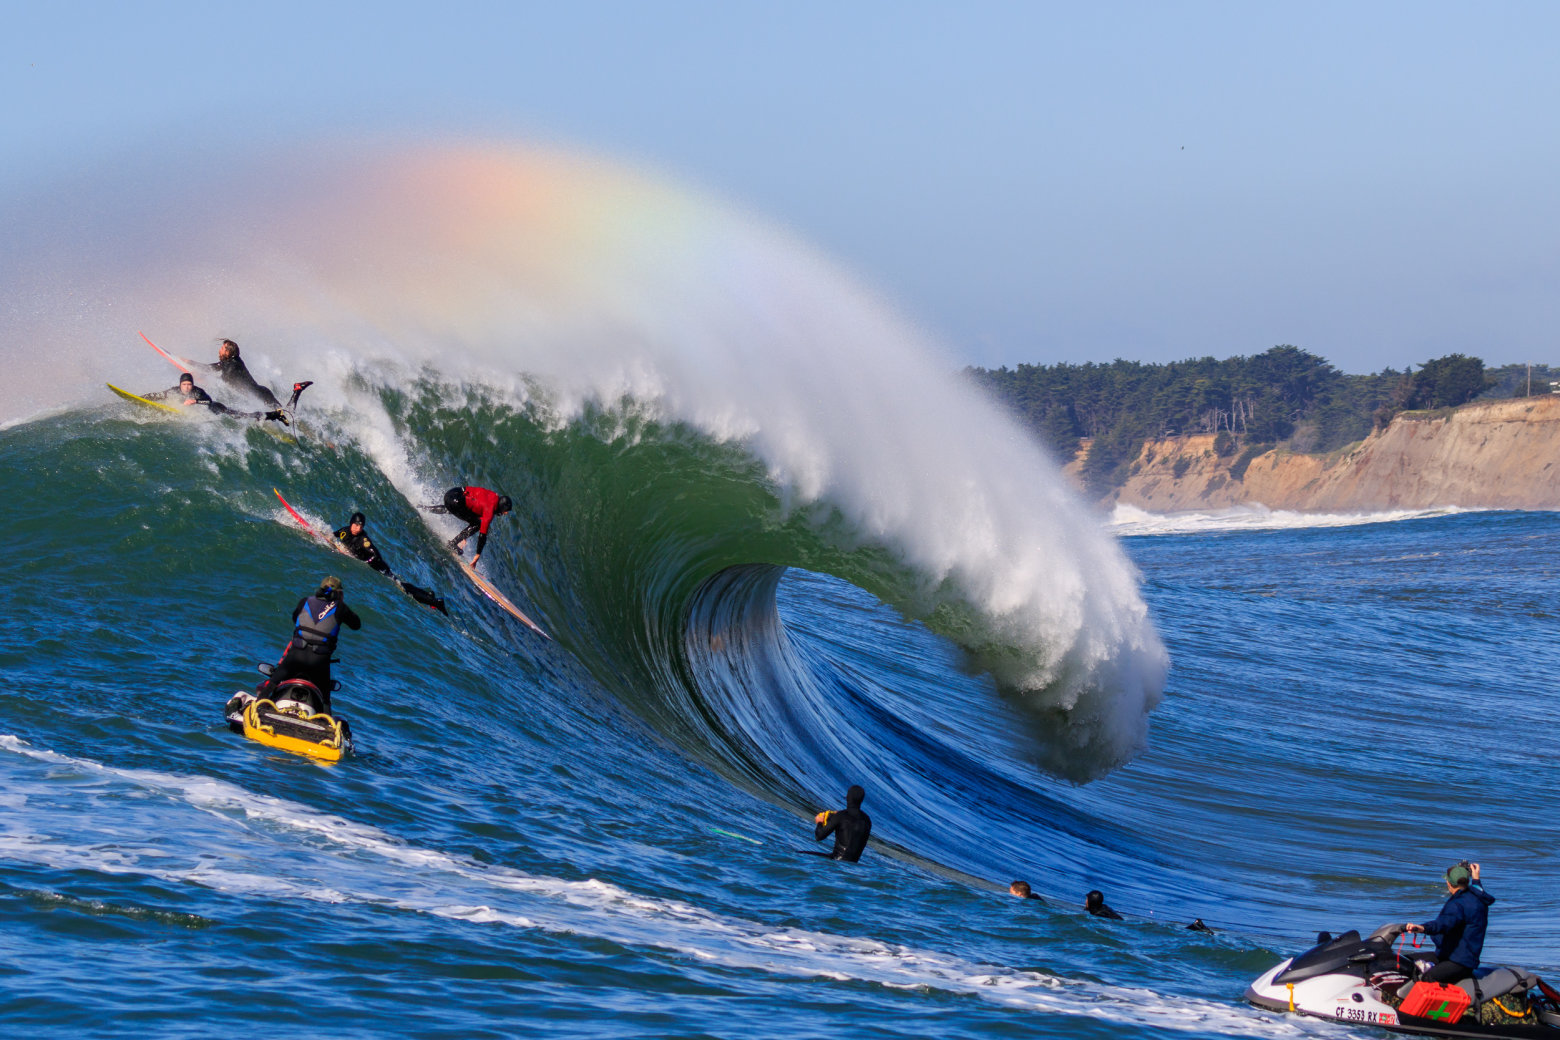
x=1497, y=982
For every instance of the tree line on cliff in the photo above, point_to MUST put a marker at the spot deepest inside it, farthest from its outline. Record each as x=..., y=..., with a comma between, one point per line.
x=1283, y=396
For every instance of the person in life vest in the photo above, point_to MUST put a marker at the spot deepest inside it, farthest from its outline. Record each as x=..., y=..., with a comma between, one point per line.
x=354, y=538
x=477, y=506
x=317, y=621
x=1459, y=930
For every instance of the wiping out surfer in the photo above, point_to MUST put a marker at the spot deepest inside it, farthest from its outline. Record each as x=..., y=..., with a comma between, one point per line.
x=354, y=538
x=850, y=826
x=1459, y=929
x=317, y=621
x=190, y=395
x=235, y=374
x=477, y=506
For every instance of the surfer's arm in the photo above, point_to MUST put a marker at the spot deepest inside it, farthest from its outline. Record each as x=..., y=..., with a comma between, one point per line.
x=824, y=824
x=348, y=616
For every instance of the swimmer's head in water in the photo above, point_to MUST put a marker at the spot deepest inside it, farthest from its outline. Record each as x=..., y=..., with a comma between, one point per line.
x=1094, y=900
x=854, y=796
x=1020, y=889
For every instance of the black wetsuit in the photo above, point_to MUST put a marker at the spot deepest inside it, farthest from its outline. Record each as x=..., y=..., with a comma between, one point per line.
x=1097, y=908
x=200, y=397
x=236, y=375
x=195, y=394
x=360, y=546
x=851, y=827
x=307, y=654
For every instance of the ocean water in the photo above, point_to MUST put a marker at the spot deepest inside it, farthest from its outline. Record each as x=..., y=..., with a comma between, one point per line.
x=781, y=549
x=605, y=834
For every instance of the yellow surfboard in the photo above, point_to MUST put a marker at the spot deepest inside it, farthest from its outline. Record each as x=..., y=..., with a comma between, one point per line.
x=138, y=399
x=493, y=594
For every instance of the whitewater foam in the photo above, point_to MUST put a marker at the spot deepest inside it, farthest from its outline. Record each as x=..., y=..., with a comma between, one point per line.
x=372, y=868
x=1130, y=520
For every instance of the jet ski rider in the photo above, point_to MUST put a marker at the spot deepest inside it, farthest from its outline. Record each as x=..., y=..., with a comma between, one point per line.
x=1459, y=930
x=317, y=621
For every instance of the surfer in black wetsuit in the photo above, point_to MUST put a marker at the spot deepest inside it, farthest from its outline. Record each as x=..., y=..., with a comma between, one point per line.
x=317, y=622
x=187, y=393
x=234, y=373
x=354, y=538
x=1094, y=903
x=194, y=395
x=850, y=826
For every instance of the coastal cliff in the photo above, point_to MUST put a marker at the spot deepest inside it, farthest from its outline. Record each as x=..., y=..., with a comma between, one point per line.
x=1498, y=454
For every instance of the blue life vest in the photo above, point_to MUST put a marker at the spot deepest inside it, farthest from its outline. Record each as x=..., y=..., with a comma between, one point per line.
x=317, y=625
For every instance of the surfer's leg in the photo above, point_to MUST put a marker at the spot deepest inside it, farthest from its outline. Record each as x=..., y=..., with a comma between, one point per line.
x=459, y=541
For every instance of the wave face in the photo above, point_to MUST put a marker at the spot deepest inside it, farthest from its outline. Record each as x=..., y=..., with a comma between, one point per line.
x=499, y=314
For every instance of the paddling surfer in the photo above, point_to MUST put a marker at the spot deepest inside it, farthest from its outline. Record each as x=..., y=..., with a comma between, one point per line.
x=477, y=506
x=354, y=539
x=194, y=395
x=850, y=826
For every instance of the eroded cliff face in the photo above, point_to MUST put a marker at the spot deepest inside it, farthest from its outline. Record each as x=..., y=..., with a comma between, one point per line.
x=1500, y=455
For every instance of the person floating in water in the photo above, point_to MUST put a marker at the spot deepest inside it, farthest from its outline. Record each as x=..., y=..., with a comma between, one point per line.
x=1022, y=890
x=1459, y=930
x=236, y=375
x=354, y=538
x=317, y=621
x=477, y=506
x=1094, y=903
x=850, y=826
x=188, y=394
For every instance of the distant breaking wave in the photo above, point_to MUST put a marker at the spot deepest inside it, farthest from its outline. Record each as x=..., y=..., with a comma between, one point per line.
x=1130, y=520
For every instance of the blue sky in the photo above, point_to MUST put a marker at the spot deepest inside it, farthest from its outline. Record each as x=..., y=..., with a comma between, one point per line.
x=1033, y=182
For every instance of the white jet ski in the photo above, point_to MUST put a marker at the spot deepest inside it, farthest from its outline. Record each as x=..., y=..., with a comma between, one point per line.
x=1367, y=982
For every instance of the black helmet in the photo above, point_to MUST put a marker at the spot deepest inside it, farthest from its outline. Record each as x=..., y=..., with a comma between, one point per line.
x=504, y=505
x=185, y=375
x=357, y=518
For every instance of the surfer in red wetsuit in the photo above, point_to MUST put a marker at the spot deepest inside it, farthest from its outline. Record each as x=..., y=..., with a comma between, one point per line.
x=477, y=506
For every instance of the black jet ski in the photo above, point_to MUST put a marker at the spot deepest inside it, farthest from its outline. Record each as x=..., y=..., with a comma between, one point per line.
x=1367, y=982
x=291, y=717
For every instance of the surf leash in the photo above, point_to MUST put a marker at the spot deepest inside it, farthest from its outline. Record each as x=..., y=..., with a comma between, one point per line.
x=734, y=834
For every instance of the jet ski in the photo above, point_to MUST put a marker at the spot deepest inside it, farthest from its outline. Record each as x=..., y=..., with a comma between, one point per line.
x=1367, y=982
x=291, y=717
